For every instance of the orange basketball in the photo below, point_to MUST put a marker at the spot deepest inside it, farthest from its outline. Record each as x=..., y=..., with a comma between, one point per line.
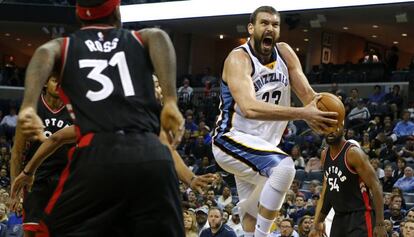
x=330, y=102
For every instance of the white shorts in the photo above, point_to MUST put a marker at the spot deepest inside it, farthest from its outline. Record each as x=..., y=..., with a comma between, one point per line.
x=250, y=159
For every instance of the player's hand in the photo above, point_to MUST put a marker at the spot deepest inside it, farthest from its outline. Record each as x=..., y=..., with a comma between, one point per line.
x=30, y=124
x=318, y=230
x=199, y=183
x=172, y=122
x=379, y=231
x=21, y=182
x=318, y=120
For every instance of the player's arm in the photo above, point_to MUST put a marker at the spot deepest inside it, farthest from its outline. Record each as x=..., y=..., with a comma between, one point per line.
x=236, y=73
x=299, y=82
x=162, y=55
x=49, y=146
x=39, y=69
x=322, y=208
x=183, y=172
x=16, y=154
x=64, y=136
x=358, y=160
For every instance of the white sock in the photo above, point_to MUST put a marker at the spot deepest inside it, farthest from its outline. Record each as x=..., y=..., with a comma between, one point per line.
x=262, y=226
x=248, y=234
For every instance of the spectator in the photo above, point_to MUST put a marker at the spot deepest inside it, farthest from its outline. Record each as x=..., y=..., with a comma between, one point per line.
x=217, y=227
x=404, y=128
x=185, y=92
x=297, y=157
x=225, y=197
x=313, y=165
x=190, y=124
x=366, y=143
x=399, y=172
x=299, y=209
x=406, y=183
x=395, y=216
x=410, y=215
x=201, y=150
x=387, y=181
x=388, y=227
x=394, y=100
x=3, y=214
x=286, y=229
x=407, y=151
x=219, y=184
x=190, y=224
x=8, y=123
x=208, y=77
x=387, y=200
x=211, y=197
x=351, y=101
x=235, y=223
x=401, y=201
x=375, y=164
x=388, y=153
x=377, y=96
x=371, y=56
x=192, y=200
x=201, y=217
x=359, y=116
x=304, y=226
x=295, y=186
x=4, y=179
x=392, y=59
x=408, y=230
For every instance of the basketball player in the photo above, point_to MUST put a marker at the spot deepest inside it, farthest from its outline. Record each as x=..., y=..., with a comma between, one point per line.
x=68, y=135
x=255, y=109
x=120, y=179
x=349, y=181
x=55, y=117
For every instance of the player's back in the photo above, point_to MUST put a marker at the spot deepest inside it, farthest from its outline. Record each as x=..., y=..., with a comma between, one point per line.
x=345, y=190
x=271, y=85
x=107, y=81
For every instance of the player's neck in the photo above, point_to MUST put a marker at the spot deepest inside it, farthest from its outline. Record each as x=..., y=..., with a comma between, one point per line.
x=336, y=148
x=53, y=102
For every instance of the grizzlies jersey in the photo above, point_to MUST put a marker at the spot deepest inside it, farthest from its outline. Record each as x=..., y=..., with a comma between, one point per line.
x=53, y=121
x=107, y=81
x=271, y=85
x=345, y=190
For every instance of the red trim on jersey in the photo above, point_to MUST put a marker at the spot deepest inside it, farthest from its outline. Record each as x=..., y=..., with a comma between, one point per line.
x=50, y=109
x=44, y=230
x=138, y=37
x=32, y=227
x=62, y=180
x=91, y=13
x=368, y=208
x=63, y=56
x=346, y=161
x=78, y=133
x=336, y=156
x=86, y=140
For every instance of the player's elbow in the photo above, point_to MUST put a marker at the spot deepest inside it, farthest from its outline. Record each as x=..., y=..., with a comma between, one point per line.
x=247, y=112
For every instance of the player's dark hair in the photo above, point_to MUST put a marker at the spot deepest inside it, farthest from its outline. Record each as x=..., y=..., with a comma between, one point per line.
x=267, y=9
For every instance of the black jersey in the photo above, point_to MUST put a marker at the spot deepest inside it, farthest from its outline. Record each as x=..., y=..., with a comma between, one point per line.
x=345, y=190
x=53, y=121
x=107, y=81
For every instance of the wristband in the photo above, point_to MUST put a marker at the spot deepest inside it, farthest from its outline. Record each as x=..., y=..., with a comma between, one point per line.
x=27, y=173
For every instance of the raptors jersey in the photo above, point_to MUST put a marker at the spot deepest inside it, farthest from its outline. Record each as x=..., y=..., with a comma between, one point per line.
x=53, y=120
x=107, y=81
x=271, y=85
x=345, y=190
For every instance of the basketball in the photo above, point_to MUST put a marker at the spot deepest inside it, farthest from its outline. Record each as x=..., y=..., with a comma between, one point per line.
x=330, y=102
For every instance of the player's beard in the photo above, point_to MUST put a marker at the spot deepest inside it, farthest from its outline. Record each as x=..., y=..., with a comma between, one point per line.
x=258, y=44
x=333, y=140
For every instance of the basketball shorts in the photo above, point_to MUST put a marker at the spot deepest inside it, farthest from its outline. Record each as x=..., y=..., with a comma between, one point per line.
x=250, y=159
x=116, y=185
x=355, y=224
x=35, y=201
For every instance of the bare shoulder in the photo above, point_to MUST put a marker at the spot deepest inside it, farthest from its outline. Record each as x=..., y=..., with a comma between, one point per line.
x=287, y=52
x=236, y=63
x=54, y=44
x=237, y=56
x=147, y=34
x=356, y=155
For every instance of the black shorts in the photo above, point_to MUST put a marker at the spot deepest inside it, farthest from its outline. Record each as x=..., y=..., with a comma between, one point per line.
x=117, y=185
x=355, y=224
x=35, y=201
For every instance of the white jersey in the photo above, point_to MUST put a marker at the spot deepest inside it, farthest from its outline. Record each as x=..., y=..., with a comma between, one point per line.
x=271, y=85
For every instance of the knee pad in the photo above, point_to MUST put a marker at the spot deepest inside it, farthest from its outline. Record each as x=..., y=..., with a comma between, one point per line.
x=282, y=175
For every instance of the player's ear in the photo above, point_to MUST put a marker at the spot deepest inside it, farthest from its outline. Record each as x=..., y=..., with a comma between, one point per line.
x=250, y=28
